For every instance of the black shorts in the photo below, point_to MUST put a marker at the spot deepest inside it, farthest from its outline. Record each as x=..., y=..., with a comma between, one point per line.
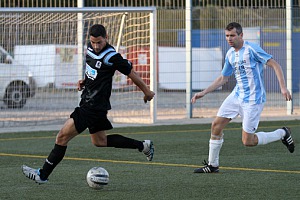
x=94, y=121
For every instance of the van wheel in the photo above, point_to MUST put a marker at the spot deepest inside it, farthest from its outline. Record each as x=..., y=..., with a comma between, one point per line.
x=15, y=96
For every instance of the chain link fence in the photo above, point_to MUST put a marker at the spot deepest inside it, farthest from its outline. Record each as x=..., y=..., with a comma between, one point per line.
x=264, y=22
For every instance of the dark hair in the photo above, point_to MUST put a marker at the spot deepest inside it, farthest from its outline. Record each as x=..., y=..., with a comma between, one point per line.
x=235, y=25
x=97, y=30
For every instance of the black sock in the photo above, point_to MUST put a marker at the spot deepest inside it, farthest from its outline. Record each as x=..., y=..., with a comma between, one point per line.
x=56, y=155
x=119, y=141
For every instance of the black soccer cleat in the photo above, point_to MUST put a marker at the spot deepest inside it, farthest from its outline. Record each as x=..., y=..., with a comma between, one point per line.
x=207, y=168
x=288, y=140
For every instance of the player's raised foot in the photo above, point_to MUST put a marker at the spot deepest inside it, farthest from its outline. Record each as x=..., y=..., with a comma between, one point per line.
x=288, y=140
x=207, y=169
x=33, y=174
x=148, y=149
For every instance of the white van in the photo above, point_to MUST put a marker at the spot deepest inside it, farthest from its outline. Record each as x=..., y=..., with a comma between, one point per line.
x=16, y=81
x=52, y=65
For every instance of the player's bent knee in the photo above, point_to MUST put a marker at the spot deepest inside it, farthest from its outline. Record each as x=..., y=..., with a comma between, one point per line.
x=100, y=144
x=249, y=143
x=215, y=125
x=99, y=141
x=249, y=140
x=63, y=138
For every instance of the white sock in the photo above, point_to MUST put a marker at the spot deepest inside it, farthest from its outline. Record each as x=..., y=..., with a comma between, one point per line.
x=268, y=137
x=214, y=151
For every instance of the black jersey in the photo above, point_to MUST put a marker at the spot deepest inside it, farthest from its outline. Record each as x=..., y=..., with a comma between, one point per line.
x=100, y=69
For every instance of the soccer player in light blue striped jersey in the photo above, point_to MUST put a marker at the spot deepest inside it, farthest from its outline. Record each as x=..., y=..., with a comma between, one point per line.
x=246, y=61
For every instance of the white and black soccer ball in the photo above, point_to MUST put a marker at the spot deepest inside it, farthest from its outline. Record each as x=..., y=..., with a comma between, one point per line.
x=97, y=177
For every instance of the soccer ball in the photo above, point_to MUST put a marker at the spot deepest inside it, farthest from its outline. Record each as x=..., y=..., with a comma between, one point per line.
x=97, y=177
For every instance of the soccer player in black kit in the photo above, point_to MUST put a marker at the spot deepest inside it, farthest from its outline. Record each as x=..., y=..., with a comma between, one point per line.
x=102, y=61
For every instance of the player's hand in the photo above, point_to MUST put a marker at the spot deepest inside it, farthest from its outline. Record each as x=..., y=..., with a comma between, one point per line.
x=80, y=85
x=197, y=96
x=149, y=97
x=286, y=93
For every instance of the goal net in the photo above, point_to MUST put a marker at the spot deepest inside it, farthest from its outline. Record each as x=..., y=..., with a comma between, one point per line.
x=42, y=57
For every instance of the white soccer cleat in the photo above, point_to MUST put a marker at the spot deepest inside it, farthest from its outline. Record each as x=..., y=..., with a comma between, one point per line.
x=148, y=149
x=33, y=174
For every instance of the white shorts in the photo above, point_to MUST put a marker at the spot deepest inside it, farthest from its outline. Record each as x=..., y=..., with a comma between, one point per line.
x=250, y=113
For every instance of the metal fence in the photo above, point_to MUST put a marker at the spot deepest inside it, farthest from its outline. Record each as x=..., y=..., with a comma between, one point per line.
x=264, y=22
x=169, y=4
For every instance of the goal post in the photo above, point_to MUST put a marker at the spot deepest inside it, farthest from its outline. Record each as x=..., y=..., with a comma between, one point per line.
x=49, y=43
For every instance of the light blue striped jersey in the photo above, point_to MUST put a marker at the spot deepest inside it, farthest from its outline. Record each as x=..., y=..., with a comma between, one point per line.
x=248, y=67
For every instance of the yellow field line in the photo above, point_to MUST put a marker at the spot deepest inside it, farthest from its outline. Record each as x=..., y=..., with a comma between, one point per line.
x=150, y=163
x=139, y=133
x=26, y=138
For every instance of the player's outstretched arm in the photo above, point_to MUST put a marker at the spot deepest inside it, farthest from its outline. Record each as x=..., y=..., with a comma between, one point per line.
x=142, y=85
x=279, y=74
x=221, y=80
